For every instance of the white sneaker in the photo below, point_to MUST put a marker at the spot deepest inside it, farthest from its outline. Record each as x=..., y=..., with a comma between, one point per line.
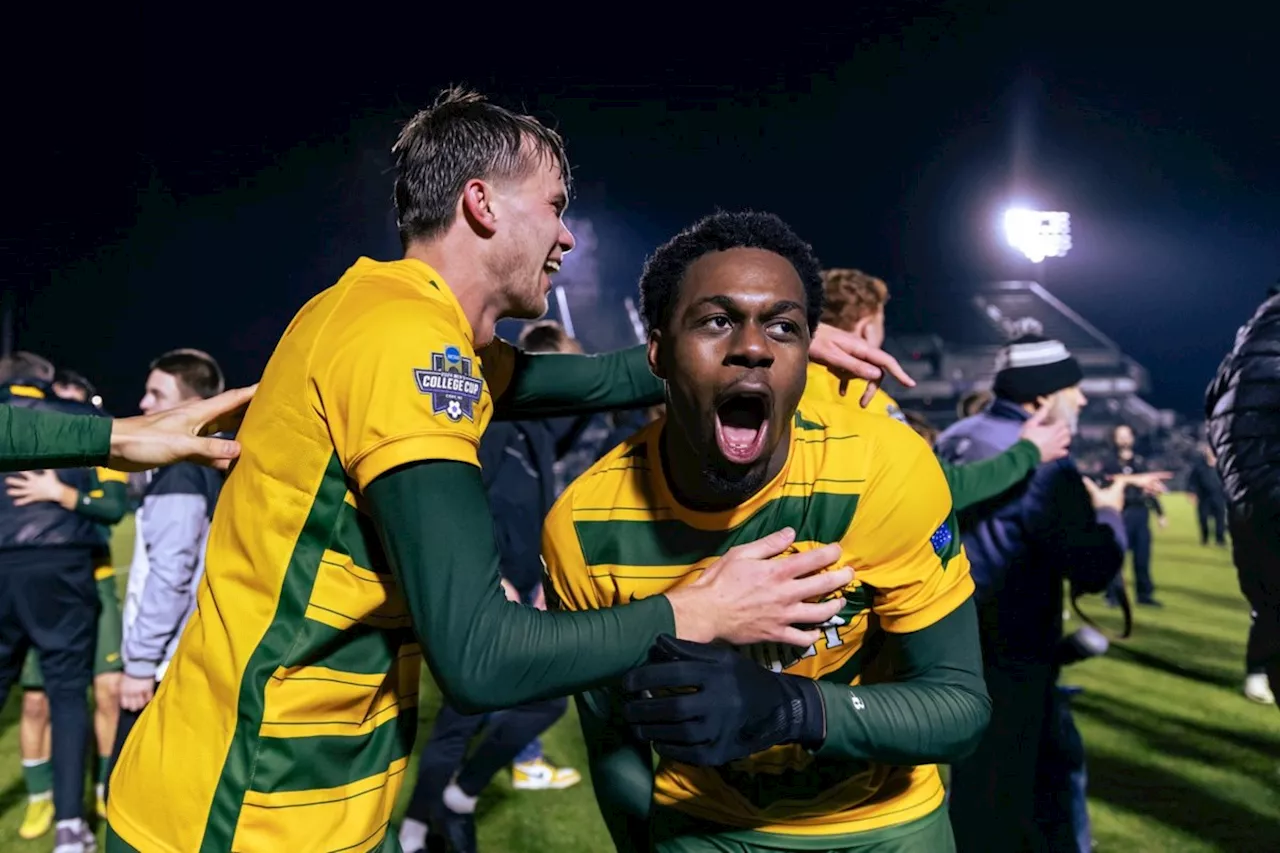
x=1258, y=688
x=74, y=836
x=538, y=775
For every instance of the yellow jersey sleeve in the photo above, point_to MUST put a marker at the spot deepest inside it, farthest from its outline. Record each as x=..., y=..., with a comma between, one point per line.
x=904, y=538
x=566, y=580
x=397, y=382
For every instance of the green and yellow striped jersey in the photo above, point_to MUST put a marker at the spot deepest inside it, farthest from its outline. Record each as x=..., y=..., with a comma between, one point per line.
x=853, y=477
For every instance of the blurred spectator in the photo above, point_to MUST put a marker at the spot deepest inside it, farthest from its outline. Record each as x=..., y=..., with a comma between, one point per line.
x=1022, y=545
x=1138, y=505
x=171, y=531
x=1243, y=412
x=1205, y=487
x=104, y=503
x=974, y=402
x=921, y=425
x=48, y=600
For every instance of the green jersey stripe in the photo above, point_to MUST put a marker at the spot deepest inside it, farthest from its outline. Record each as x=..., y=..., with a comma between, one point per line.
x=361, y=649
x=356, y=537
x=820, y=517
x=289, y=763
x=240, y=767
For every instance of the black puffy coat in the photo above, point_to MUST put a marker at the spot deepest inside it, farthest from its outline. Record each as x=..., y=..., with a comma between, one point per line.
x=1242, y=408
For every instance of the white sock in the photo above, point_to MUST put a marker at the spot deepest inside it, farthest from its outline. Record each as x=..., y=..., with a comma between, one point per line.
x=73, y=823
x=99, y=789
x=413, y=834
x=457, y=801
x=35, y=798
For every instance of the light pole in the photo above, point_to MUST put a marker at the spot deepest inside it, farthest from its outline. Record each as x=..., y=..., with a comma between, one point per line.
x=1038, y=234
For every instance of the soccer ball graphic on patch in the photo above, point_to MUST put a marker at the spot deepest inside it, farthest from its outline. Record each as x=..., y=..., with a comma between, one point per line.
x=454, y=410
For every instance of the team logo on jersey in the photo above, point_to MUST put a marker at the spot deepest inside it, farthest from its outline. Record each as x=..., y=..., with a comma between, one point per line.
x=449, y=383
x=894, y=412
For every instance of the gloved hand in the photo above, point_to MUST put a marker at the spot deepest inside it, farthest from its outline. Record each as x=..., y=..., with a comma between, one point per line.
x=709, y=705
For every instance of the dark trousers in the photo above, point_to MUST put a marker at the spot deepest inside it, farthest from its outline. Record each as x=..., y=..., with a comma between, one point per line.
x=445, y=752
x=993, y=791
x=1137, y=527
x=1255, y=549
x=124, y=724
x=1062, y=782
x=48, y=600
x=1217, y=512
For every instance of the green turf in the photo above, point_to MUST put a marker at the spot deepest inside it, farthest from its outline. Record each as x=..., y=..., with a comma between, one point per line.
x=1179, y=759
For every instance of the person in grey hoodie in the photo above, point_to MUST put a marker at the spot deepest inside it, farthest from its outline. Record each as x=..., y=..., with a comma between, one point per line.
x=172, y=529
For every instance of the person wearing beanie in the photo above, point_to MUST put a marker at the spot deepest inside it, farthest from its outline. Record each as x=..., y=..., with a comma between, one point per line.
x=1022, y=544
x=854, y=301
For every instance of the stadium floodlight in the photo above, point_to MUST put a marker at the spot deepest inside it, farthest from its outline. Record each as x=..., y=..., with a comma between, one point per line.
x=1038, y=234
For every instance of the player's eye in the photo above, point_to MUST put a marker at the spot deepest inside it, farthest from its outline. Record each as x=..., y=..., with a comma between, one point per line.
x=719, y=321
x=785, y=328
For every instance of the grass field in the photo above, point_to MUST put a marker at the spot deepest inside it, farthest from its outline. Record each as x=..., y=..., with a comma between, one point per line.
x=1179, y=760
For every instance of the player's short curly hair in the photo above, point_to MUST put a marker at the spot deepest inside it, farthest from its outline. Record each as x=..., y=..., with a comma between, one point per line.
x=747, y=229
x=851, y=295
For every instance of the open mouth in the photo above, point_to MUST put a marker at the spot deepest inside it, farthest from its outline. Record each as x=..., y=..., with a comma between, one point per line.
x=550, y=268
x=742, y=424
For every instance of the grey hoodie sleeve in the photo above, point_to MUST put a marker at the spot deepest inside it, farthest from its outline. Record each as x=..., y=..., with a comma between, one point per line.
x=174, y=521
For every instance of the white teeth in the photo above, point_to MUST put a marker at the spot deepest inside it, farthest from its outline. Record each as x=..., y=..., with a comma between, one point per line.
x=552, y=266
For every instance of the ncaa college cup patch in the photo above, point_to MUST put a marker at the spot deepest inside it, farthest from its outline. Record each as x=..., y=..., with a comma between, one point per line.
x=449, y=383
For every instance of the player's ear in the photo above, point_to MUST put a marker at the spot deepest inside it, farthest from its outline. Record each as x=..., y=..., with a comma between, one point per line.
x=477, y=206
x=655, y=355
x=860, y=327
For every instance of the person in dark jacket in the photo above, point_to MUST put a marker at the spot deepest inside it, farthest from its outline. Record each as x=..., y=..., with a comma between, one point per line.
x=1242, y=407
x=1205, y=487
x=1138, y=506
x=1022, y=545
x=49, y=601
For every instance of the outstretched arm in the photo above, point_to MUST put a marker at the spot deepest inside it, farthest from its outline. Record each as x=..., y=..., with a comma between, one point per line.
x=539, y=385
x=974, y=482
x=30, y=439
x=486, y=652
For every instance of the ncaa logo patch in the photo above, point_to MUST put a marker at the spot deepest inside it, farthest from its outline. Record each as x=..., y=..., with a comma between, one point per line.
x=449, y=383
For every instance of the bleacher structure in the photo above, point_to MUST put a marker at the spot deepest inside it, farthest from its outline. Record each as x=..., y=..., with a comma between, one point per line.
x=946, y=369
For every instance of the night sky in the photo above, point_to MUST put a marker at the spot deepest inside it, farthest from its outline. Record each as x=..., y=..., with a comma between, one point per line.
x=177, y=192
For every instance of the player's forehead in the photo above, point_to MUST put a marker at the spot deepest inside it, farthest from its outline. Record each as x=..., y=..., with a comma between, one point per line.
x=159, y=382
x=750, y=278
x=540, y=169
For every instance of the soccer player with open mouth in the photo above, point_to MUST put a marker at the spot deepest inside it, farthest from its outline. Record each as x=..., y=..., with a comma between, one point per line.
x=764, y=746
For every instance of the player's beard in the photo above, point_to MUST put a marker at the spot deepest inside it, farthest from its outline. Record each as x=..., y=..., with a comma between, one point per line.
x=735, y=483
x=520, y=276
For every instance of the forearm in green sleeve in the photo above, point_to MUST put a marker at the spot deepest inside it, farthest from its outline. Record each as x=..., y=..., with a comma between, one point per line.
x=975, y=482
x=621, y=772
x=32, y=439
x=549, y=384
x=934, y=712
x=488, y=653
x=109, y=508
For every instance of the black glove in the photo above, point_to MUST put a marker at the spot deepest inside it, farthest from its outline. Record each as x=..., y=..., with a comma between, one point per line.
x=728, y=706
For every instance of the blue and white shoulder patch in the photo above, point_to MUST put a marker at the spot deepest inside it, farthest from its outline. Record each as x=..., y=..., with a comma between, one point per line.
x=450, y=383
